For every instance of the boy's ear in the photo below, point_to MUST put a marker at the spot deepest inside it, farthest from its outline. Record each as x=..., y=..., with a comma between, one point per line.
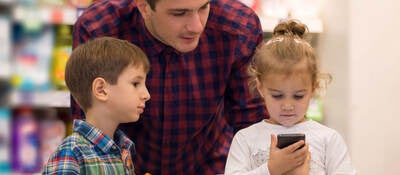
x=144, y=8
x=99, y=89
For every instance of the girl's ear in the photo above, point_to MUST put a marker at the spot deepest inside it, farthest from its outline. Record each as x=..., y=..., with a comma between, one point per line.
x=259, y=88
x=315, y=87
x=100, y=89
x=144, y=8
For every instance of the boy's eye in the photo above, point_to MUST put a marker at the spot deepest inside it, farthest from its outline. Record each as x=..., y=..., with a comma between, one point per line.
x=298, y=97
x=135, y=84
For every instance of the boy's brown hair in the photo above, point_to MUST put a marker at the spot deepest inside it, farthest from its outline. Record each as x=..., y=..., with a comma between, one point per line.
x=104, y=57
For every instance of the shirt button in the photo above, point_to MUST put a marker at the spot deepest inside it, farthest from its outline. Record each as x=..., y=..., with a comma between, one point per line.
x=114, y=147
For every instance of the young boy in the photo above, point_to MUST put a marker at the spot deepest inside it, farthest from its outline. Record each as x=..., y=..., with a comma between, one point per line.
x=106, y=76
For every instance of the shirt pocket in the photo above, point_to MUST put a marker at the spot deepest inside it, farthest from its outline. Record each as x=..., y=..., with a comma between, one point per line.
x=259, y=157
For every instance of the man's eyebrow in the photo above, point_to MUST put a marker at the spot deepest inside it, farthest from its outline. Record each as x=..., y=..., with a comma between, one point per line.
x=186, y=9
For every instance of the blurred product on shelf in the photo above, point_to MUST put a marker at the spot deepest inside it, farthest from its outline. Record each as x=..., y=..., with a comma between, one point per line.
x=62, y=51
x=5, y=117
x=6, y=1
x=35, y=42
x=58, y=3
x=5, y=49
x=52, y=132
x=80, y=3
x=5, y=89
x=25, y=140
x=35, y=16
x=32, y=54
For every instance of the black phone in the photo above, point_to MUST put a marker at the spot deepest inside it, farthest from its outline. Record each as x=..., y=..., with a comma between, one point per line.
x=285, y=140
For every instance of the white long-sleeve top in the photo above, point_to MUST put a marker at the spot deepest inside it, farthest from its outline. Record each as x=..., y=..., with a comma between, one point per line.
x=249, y=151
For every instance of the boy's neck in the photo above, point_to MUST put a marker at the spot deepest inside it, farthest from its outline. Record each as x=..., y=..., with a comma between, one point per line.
x=102, y=122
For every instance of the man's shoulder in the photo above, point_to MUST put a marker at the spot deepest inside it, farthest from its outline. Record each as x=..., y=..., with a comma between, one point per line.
x=233, y=17
x=108, y=13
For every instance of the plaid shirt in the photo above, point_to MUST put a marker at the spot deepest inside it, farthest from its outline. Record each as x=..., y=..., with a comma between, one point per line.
x=88, y=151
x=198, y=99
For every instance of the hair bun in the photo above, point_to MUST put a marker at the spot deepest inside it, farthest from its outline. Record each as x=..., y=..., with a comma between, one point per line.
x=290, y=27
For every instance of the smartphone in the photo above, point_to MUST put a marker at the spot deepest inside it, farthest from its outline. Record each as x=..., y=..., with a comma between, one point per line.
x=285, y=140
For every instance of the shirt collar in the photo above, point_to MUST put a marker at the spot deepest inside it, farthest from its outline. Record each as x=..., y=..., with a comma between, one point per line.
x=100, y=140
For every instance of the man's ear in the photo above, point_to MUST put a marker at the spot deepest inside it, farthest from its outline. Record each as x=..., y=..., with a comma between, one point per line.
x=144, y=8
x=100, y=89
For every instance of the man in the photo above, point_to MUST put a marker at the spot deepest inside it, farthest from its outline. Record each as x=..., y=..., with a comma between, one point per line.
x=198, y=51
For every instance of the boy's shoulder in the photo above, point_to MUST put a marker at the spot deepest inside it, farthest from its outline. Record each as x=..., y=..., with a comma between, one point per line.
x=73, y=143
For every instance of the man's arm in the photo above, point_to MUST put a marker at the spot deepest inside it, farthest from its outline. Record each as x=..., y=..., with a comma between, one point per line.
x=244, y=108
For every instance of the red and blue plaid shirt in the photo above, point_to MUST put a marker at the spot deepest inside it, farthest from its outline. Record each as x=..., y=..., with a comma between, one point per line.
x=198, y=99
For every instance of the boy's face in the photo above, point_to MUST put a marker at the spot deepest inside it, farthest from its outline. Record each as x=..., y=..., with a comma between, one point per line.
x=287, y=97
x=177, y=23
x=127, y=98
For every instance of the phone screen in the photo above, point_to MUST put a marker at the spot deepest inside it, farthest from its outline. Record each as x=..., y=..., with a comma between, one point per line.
x=285, y=140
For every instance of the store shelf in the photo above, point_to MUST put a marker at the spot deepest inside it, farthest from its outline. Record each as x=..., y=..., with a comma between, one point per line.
x=47, y=15
x=58, y=99
x=5, y=49
x=314, y=25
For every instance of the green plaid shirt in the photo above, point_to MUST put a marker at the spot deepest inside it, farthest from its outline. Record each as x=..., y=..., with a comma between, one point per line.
x=89, y=151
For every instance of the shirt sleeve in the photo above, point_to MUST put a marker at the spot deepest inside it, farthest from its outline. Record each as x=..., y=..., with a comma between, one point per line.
x=243, y=108
x=337, y=157
x=239, y=162
x=62, y=162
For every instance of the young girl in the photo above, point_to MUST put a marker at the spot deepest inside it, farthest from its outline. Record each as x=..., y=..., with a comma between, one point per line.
x=286, y=75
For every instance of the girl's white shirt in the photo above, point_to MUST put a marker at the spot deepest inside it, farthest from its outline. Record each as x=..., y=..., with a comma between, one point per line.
x=249, y=151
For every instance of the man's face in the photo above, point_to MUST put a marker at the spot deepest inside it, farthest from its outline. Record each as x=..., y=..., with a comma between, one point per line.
x=178, y=23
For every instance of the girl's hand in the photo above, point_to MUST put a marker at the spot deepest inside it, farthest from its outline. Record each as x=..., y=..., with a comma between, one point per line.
x=303, y=169
x=287, y=159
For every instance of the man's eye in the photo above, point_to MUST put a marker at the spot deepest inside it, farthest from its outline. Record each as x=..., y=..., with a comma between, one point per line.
x=204, y=7
x=178, y=13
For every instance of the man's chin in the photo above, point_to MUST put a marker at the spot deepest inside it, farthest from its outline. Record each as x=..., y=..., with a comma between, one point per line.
x=184, y=48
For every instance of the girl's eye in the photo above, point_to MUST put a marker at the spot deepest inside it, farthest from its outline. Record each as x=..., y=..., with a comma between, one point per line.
x=298, y=97
x=277, y=96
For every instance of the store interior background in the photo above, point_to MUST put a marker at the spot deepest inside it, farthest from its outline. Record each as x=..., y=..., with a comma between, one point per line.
x=359, y=46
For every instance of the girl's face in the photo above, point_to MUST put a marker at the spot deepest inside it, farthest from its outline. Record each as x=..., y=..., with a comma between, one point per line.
x=286, y=97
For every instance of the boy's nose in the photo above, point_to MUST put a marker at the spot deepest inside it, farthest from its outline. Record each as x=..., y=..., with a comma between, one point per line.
x=146, y=95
